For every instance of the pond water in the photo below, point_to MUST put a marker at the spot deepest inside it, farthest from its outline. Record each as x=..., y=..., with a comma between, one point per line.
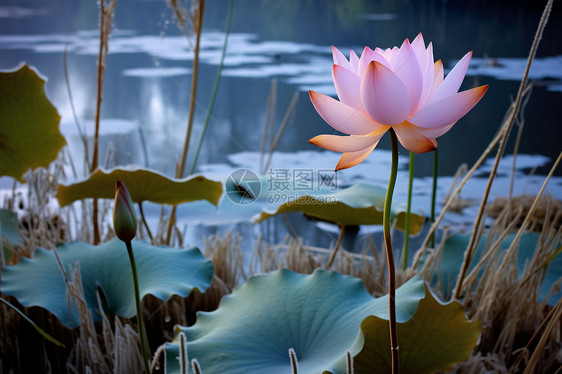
x=146, y=90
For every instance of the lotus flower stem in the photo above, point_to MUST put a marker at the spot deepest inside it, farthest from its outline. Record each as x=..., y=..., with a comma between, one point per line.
x=140, y=324
x=338, y=244
x=390, y=255
x=408, y=210
x=434, y=191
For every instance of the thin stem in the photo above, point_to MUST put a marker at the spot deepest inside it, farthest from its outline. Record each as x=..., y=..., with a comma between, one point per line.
x=419, y=254
x=348, y=363
x=408, y=210
x=293, y=358
x=434, y=192
x=140, y=324
x=101, y=68
x=144, y=222
x=390, y=255
x=35, y=326
x=215, y=88
x=338, y=244
x=83, y=136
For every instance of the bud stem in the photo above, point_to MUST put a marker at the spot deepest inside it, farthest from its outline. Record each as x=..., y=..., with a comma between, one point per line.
x=140, y=323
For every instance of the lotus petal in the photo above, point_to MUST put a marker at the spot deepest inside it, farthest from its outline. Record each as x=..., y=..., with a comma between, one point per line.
x=350, y=159
x=342, y=117
x=339, y=59
x=407, y=68
x=347, y=85
x=353, y=60
x=435, y=132
x=437, y=77
x=339, y=143
x=384, y=96
x=369, y=56
x=448, y=110
x=453, y=81
x=412, y=139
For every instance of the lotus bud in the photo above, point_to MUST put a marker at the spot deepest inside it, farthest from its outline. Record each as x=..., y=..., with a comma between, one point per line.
x=124, y=216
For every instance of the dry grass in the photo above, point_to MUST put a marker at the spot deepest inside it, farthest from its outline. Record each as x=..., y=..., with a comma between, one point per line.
x=518, y=330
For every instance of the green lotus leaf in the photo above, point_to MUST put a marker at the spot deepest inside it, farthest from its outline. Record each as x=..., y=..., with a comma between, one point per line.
x=453, y=255
x=143, y=185
x=162, y=272
x=318, y=315
x=29, y=123
x=360, y=204
x=9, y=223
x=433, y=340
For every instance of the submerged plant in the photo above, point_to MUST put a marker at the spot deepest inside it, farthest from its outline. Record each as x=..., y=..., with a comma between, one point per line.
x=400, y=91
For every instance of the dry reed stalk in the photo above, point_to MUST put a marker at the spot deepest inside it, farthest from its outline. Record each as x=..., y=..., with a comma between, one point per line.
x=107, y=10
x=548, y=208
x=520, y=122
x=269, y=121
x=505, y=134
x=289, y=114
x=86, y=352
x=461, y=170
x=196, y=16
x=42, y=224
x=507, y=304
x=81, y=132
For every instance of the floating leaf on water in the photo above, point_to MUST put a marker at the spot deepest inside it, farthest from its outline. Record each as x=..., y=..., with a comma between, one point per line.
x=143, y=185
x=361, y=204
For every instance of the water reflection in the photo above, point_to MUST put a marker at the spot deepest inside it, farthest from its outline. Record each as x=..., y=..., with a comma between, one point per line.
x=149, y=67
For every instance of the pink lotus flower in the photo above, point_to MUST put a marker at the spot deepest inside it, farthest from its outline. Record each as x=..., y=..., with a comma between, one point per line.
x=400, y=88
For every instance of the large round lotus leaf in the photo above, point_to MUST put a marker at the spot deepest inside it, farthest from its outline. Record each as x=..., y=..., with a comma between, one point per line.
x=360, y=204
x=433, y=340
x=162, y=272
x=318, y=315
x=453, y=255
x=29, y=123
x=143, y=185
